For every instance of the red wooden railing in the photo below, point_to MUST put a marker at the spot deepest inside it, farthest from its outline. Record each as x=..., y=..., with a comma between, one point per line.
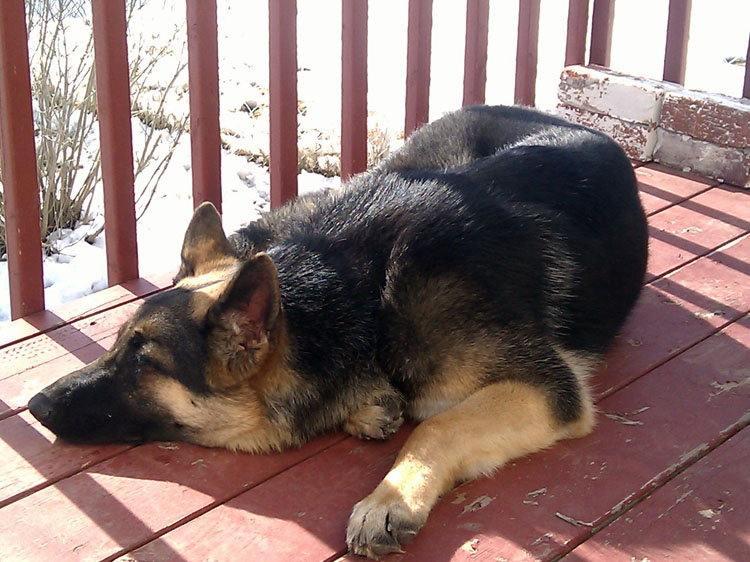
x=22, y=227
x=526, y=52
x=113, y=109
x=475, y=53
x=353, y=87
x=16, y=125
x=602, y=21
x=282, y=15
x=203, y=82
x=675, y=52
x=418, y=49
x=578, y=22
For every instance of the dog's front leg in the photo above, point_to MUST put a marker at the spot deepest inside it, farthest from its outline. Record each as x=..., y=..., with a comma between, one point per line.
x=500, y=422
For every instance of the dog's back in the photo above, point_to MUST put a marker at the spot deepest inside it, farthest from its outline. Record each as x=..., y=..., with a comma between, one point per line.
x=541, y=216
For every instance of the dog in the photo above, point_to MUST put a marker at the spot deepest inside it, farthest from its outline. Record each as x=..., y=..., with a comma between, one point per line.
x=470, y=283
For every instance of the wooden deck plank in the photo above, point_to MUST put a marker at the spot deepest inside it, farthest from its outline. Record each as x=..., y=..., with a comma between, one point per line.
x=661, y=188
x=15, y=391
x=299, y=515
x=305, y=509
x=724, y=202
x=682, y=233
x=76, y=310
x=129, y=499
x=49, y=346
x=32, y=459
x=702, y=514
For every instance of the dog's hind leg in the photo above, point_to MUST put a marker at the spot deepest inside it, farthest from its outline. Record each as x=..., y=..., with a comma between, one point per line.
x=502, y=421
x=379, y=417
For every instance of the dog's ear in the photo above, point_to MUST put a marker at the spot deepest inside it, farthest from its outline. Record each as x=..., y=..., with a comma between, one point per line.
x=248, y=308
x=205, y=242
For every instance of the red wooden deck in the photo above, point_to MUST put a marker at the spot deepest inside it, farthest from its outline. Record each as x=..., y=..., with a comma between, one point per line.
x=663, y=477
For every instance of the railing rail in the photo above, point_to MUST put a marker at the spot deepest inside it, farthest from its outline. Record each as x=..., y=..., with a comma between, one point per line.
x=475, y=51
x=526, y=52
x=578, y=22
x=203, y=83
x=675, y=51
x=353, y=87
x=17, y=141
x=418, y=49
x=113, y=110
x=21, y=193
x=602, y=22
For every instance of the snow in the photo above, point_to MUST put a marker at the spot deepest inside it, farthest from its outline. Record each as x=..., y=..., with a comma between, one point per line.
x=76, y=267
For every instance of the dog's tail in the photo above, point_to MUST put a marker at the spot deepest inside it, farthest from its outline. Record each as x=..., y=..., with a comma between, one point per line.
x=469, y=134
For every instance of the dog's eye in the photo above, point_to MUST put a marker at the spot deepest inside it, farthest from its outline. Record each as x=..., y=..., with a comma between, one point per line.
x=144, y=360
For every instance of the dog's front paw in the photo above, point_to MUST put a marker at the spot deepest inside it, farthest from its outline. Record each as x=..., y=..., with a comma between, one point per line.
x=379, y=526
x=378, y=420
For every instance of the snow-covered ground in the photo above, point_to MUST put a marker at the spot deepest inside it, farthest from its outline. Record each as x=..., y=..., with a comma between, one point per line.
x=719, y=29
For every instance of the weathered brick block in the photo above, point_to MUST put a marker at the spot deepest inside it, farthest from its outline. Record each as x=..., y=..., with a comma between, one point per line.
x=719, y=119
x=726, y=163
x=604, y=91
x=636, y=139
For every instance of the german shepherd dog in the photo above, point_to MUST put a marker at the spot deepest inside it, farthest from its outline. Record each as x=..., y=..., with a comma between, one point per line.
x=471, y=283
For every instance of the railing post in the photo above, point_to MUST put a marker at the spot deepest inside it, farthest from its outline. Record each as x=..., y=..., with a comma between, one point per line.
x=18, y=161
x=746, y=87
x=282, y=17
x=475, y=53
x=113, y=109
x=602, y=19
x=418, y=53
x=203, y=81
x=353, y=87
x=678, y=31
x=526, y=52
x=578, y=22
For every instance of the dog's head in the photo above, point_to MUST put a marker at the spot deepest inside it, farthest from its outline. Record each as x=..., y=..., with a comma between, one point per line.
x=190, y=364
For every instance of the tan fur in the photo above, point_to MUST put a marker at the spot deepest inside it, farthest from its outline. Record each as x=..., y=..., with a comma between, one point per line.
x=235, y=415
x=366, y=422
x=205, y=247
x=207, y=287
x=379, y=418
x=236, y=421
x=582, y=364
x=500, y=422
x=202, y=254
x=454, y=380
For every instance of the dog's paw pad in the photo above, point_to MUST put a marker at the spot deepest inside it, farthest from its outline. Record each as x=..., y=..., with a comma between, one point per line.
x=376, y=529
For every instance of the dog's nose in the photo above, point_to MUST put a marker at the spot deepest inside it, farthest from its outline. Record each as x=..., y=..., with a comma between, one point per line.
x=41, y=407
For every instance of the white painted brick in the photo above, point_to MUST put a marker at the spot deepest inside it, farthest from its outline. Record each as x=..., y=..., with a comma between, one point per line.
x=715, y=118
x=604, y=91
x=728, y=164
x=636, y=139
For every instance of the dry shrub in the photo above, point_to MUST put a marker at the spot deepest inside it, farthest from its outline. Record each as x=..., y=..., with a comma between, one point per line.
x=64, y=102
